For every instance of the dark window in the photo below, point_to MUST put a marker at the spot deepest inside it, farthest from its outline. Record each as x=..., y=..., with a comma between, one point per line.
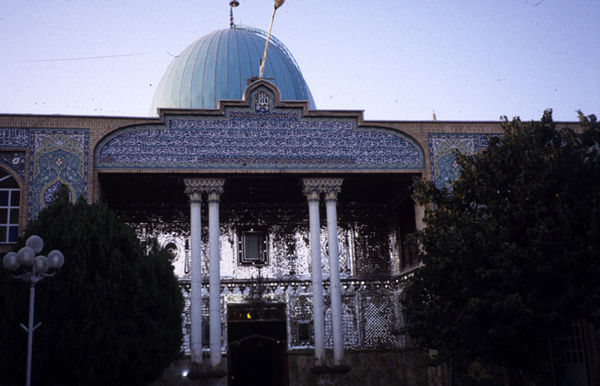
x=304, y=332
x=252, y=248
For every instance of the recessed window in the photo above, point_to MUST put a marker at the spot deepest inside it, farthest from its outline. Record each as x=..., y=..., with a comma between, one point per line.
x=304, y=332
x=10, y=203
x=252, y=248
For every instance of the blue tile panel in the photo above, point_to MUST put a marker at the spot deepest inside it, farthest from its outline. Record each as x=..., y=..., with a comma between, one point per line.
x=444, y=168
x=247, y=140
x=57, y=157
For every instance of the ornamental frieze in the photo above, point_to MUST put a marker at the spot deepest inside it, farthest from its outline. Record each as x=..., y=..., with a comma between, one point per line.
x=271, y=141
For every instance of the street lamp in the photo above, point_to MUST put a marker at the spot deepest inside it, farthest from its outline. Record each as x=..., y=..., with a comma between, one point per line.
x=35, y=269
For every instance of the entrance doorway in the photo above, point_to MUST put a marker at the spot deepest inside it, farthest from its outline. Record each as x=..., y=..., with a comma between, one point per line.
x=257, y=345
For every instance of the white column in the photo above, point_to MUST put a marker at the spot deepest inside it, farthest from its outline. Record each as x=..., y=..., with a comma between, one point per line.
x=312, y=194
x=214, y=189
x=195, y=195
x=331, y=193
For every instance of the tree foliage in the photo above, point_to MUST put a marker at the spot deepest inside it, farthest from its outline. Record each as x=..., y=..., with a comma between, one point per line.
x=111, y=315
x=511, y=250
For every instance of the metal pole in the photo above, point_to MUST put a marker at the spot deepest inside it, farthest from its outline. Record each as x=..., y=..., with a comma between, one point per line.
x=30, y=332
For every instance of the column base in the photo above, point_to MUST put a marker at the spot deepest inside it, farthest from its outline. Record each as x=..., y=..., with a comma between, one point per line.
x=335, y=369
x=199, y=371
x=330, y=375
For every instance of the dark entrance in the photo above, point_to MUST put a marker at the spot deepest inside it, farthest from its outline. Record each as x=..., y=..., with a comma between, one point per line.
x=257, y=345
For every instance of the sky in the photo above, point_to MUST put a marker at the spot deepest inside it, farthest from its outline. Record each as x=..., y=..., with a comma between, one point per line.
x=465, y=60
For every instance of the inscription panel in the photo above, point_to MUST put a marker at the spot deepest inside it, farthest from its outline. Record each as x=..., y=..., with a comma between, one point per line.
x=13, y=137
x=259, y=141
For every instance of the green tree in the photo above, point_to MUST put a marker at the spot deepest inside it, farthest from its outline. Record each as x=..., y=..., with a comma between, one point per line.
x=111, y=315
x=511, y=251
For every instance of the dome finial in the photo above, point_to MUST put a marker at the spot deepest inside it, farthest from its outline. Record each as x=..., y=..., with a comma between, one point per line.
x=232, y=5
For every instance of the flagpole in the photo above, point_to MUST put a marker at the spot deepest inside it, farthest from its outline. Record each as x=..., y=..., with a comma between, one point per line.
x=277, y=4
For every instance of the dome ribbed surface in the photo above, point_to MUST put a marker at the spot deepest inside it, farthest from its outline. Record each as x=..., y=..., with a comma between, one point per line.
x=216, y=67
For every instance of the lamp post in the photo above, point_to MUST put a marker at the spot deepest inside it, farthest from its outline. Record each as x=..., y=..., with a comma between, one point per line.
x=34, y=269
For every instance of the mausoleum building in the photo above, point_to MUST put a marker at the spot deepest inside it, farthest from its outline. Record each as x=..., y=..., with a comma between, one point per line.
x=286, y=223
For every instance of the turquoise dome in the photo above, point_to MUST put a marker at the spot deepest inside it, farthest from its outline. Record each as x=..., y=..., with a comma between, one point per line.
x=216, y=67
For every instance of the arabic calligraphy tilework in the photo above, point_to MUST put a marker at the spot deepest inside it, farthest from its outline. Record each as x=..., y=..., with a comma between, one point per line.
x=259, y=141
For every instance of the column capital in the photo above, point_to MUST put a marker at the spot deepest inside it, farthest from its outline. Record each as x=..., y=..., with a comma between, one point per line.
x=213, y=187
x=312, y=195
x=194, y=187
x=332, y=189
x=313, y=187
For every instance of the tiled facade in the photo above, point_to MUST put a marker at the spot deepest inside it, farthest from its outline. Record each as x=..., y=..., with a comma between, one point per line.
x=264, y=135
x=258, y=136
